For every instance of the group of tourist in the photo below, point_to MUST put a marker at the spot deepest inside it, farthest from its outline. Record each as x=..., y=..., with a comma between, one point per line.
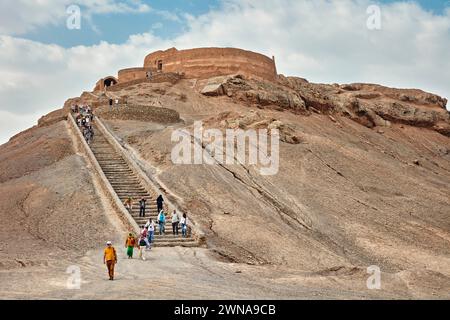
x=84, y=118
x=147, y=233
x=146, y=236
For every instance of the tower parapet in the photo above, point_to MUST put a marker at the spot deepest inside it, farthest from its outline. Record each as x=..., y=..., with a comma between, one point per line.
x=205, y=63
x=200, y=63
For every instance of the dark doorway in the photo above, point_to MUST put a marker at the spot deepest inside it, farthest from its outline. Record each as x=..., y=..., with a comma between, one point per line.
x=109, y=82
x=160, y=65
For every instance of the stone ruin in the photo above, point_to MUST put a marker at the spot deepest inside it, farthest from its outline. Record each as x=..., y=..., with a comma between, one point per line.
x=201, y=63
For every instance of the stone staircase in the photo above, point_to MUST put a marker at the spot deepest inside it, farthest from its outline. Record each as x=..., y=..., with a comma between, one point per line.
x=126, y=184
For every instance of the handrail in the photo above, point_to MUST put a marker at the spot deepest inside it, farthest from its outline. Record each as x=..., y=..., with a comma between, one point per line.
x=132, y=160
x=104, y=182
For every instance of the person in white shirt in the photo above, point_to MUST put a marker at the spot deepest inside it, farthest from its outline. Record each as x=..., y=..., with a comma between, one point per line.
x=150, y=225
x=175, y=222
x=184, y=223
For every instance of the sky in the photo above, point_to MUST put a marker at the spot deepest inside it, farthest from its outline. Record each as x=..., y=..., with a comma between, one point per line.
x=43, y=62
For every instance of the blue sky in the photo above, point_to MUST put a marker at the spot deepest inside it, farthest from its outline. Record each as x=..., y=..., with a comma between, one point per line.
x=117, y=27
x=43, y=63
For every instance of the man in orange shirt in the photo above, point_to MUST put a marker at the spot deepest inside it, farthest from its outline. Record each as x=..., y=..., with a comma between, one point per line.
x=110, y=259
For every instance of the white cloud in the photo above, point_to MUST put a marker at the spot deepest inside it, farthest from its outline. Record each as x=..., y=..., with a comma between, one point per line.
x=9, y=122
x=21, y=16
x=328, y=41
x=38, y=78
x=321, y=40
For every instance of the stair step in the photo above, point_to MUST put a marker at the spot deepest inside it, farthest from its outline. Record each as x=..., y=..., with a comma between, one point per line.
x=157, y=240
x=114, y=167
x=126, y=184
x=133, y=195
x=177, y=244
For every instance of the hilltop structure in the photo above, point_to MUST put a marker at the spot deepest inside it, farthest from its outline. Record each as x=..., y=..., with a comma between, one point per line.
x=200, y=63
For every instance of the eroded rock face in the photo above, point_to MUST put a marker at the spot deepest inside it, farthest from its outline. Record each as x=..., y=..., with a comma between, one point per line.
x=256, y=120
x=253, y=92
x=368, y=104
x=383, y=105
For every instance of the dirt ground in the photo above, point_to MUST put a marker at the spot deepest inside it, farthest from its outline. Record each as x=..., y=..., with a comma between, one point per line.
x=346, y=197
x=192, y=273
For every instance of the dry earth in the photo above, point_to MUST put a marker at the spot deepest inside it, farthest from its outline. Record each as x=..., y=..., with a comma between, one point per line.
x=358, y=185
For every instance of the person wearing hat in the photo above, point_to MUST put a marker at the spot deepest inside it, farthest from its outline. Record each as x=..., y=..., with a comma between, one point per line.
x=110, y=259
x=130, y=243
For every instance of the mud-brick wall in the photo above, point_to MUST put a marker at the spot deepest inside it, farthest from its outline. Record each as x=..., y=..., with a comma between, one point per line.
x=131, y=74
x=210, y=62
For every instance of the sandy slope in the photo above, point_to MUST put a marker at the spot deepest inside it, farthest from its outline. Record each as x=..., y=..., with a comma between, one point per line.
x=345, y=198
x=52, y=210
x=186, y=273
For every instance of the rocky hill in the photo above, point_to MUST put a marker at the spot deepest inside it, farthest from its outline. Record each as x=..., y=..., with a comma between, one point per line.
x=363, y=180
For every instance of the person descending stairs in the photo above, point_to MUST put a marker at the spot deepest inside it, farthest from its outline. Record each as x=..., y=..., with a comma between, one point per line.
x=126, y=185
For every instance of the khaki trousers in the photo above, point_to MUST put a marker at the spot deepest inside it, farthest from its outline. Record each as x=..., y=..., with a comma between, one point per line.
x=110, y=264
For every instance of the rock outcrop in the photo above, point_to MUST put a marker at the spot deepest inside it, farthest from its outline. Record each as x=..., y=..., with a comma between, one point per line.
x=368, y=104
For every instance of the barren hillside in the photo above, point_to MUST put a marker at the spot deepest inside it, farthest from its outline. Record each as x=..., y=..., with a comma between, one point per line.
x=363, y=180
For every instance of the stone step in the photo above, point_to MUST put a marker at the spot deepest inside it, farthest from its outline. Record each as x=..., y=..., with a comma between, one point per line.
x=120, y=175
x=115, y=167
x=109, y=157
x=167, y=239
x=177, y=244
x=126, y=184
x=138, y=194
x=131, y=189
x=113, y=164
x=120, y=186
x=112, y=173
x=147, y=208
x=134, y=196
x=169, y=236
x=121, y=179
x=151, y=207
x=144, y=221
x=153, y=213
x=124, y=181
x=117, y=183
x=122, y=189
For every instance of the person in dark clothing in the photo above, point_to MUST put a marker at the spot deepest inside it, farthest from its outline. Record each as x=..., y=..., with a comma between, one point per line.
x=159, y=203
x=142, y=206
x=110, y=103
